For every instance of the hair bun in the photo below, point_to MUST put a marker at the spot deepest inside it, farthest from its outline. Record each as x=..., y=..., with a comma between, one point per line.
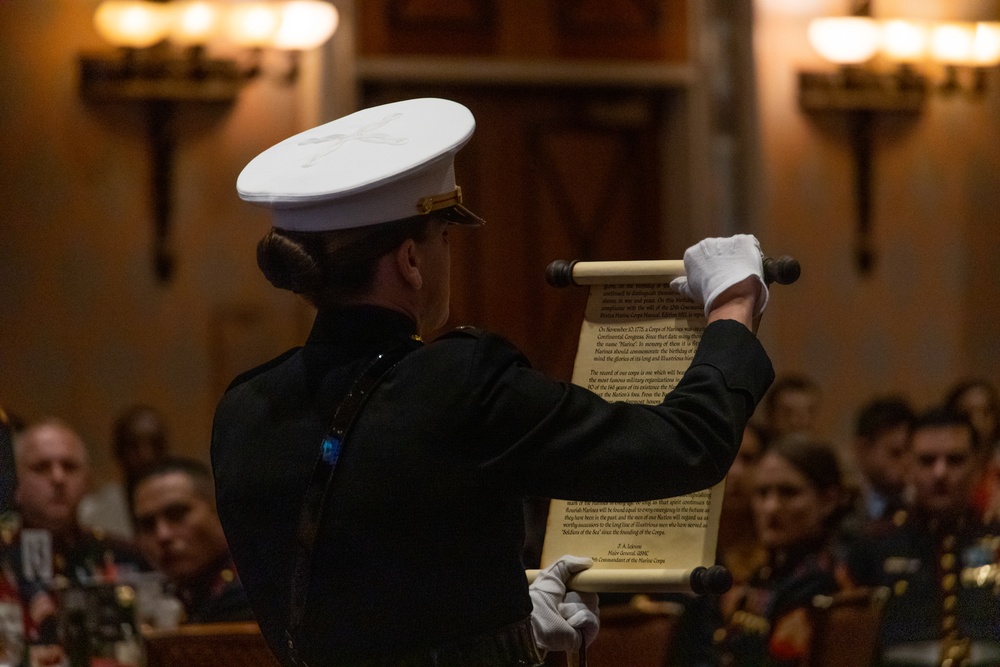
x=288, y=263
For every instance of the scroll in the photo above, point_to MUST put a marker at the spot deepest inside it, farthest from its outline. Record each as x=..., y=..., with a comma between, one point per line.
x=637, y=340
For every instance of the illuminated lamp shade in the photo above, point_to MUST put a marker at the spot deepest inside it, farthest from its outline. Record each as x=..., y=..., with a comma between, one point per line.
x=904, y=41
x=194, y=23
x=951, y=43
x=986, y=45
x=252, y=24
x=305, y=24
x=845, y=40
x=132, y=24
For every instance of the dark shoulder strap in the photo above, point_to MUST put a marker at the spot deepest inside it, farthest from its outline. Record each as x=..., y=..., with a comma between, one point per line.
x=320, y=482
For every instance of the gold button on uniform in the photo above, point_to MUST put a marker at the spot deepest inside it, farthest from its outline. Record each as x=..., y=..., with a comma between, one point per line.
x=949, y=603
x=947, y=561
x=900, y=587
x=948, y=582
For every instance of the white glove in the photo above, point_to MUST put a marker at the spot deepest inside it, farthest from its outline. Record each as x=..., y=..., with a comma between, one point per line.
x=714, y=265
x=558, y=616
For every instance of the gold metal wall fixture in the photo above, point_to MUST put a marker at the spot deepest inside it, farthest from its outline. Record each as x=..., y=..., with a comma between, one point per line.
x=166, y=58
x=888, y=67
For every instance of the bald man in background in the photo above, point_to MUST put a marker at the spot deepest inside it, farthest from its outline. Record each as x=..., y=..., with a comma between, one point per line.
x=53, y=475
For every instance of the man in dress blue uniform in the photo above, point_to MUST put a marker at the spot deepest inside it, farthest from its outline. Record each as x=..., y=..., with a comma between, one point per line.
x=938, y=558
x=370, y=485
x=46, y=544
x=53, y=472
x=177, y=528
x=881, y=440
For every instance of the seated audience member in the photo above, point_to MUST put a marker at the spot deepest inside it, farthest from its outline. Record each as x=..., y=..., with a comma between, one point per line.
x=739, y=549
x=51, y=464
x=178, y=530
x=797, y=502
x=979, y=402
x=139, y=439
x=7, y=478
x=881, y=440
x=11, y=611
x=791, y=407
x=53, y=471
x=937, y=614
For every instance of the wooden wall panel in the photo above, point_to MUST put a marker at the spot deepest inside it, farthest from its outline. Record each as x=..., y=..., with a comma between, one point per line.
x=440, y=27
x=652, y=30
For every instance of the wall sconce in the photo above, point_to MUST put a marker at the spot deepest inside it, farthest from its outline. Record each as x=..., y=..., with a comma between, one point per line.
x=167, y=57
x=889, y=66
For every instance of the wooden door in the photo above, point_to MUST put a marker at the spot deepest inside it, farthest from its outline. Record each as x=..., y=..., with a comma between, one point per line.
x=558, y=173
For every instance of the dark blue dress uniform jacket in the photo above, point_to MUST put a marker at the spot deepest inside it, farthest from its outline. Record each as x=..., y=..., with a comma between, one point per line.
x=420, y=543
x=787, y=583
x=921, y=560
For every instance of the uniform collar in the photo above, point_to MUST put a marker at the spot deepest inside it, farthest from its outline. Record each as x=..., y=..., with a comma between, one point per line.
x=208, y=583
x=360, y=324
x=788, y=559
x=946, y=523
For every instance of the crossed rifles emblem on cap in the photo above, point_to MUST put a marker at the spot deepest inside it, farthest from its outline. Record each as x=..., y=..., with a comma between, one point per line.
x=365, y=133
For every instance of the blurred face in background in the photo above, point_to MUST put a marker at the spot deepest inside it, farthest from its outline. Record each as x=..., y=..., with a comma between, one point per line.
x=942, y=468
x=794, y=411
x=52, y=476
x=739, y=479
x=788, y=509
x=882, y=459
x=976, y=403
x=177, y=528
x=139, y=442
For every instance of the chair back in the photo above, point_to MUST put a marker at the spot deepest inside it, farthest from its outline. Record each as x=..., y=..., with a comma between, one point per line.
x=208, y=645
x=846, y=628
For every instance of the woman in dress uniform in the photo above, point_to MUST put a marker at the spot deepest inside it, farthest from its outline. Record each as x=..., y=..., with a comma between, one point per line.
x=371, y=483
x=797, y=501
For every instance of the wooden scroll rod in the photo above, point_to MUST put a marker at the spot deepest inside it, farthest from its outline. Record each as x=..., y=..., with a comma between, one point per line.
x=715, y=579
x=563, y=273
